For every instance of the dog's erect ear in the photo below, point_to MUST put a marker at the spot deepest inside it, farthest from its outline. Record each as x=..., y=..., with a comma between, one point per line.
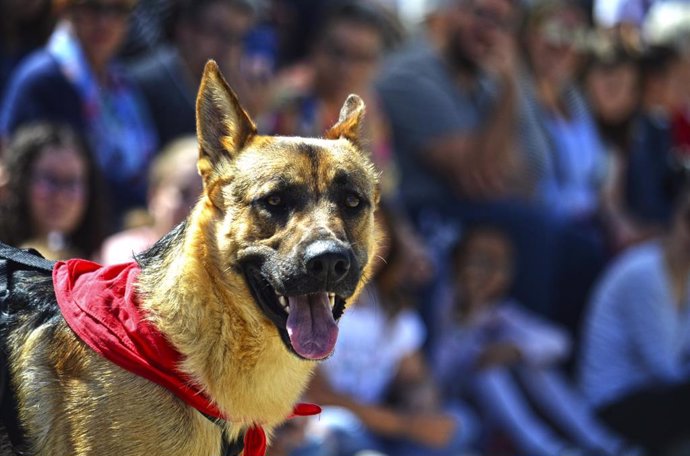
x=222, y=126
x=349, y=122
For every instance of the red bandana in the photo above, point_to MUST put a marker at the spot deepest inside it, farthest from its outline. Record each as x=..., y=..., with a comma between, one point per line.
x=100, y=304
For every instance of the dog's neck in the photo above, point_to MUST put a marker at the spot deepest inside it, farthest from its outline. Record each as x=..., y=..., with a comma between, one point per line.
x=229, y=347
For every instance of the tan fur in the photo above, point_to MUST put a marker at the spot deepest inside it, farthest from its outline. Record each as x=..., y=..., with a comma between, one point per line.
x=72, y=402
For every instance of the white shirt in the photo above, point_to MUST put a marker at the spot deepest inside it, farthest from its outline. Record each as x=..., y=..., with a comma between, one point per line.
x=370, y=348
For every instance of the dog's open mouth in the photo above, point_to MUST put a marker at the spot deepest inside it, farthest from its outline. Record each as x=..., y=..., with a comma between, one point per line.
x=306, y=323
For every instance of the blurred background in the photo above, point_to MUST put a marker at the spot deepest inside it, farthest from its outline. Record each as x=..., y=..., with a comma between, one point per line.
x=533, y=293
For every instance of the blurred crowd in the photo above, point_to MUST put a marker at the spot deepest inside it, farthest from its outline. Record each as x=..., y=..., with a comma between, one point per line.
x=532, y=295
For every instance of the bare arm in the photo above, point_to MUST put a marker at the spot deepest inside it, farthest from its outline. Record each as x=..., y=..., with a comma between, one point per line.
x=432, y=429
x=482, y=163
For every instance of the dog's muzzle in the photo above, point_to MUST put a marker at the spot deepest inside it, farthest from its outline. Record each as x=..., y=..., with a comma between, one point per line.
x=305, y=297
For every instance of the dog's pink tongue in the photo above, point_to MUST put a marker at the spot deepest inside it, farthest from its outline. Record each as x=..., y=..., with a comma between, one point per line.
x=311, y=326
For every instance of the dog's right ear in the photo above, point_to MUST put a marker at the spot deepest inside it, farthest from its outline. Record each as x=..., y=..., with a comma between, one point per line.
x=222, y=126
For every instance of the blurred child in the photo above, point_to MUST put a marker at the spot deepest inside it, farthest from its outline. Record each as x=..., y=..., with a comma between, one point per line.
x=377, y=385
x=506, y=358
x=53, y=199
x=174, y=187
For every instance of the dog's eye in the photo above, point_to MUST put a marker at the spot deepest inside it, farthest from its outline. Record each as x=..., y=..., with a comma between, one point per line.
x=274, y=200
x=352, y=201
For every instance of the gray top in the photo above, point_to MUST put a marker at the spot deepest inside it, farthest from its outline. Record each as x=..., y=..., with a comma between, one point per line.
x=423, y=103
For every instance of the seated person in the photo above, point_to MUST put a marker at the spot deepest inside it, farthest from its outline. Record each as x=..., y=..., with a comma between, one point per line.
x=506, y=359
x=375, y=388
x=174, y=187
x=53, y=197
x=75, y=80
x=635, y=367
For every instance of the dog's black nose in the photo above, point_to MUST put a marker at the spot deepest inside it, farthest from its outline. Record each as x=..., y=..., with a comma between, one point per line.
x=327, y=261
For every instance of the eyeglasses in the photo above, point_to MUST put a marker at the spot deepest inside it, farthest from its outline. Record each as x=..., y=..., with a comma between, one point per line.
x=48, y=183
x=113, y=10
x=486, y=264
x=340, y=52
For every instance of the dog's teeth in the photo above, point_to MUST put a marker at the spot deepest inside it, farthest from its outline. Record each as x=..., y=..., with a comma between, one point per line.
x=331, y=298
x=283, y=301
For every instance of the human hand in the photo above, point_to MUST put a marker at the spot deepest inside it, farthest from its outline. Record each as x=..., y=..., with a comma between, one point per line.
x=485, y=176
x=501, y=60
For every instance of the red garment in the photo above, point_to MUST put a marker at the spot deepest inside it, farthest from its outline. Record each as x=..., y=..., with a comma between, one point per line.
x=680, y=128
x=100, y=304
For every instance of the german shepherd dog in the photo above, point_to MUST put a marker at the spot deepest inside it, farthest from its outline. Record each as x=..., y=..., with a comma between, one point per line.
x=248, y=290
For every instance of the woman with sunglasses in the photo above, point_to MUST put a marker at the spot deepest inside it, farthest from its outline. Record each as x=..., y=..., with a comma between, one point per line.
x=635, y=365
x=75, y=80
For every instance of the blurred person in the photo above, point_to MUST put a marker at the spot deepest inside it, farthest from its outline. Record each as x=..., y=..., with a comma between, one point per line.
x=566, y=154
x=24, y=26
x=75, y=80
x=345, y=58
x=376, y=388
x=612, y=84
x=507, y=359
x=199, y=30
x=452, y=100
x=634, y=367
x=570, y=157
x=53, y=201
x=650, y=170
x=174, y=187
x=146, y=28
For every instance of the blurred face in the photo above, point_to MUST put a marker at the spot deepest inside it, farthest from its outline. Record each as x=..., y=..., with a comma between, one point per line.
x=613, y=91
x=175, y=196
x=57, y=191
x=472, y=26
x=347, y=59
x=100, y=26
x=485, y=270
x=216, y=34
x=552, y=45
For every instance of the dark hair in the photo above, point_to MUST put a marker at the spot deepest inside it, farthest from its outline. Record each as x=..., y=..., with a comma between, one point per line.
x=678, y=183
x=367, y=13
x=25, y=146
x=394, y=296
x=25, y=33
x=190, y=11
x=657, y=60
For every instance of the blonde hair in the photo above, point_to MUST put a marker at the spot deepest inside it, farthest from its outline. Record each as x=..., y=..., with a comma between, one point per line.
x=179, y=154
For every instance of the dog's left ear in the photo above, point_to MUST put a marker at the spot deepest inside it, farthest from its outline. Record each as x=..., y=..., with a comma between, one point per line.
x=350, y=120
x=222, y=126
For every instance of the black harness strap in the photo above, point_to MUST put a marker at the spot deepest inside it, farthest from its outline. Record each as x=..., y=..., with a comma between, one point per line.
x=11, y=261
x=233, y=448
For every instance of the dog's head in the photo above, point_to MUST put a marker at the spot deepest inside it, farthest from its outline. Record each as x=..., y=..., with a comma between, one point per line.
x=294, y=215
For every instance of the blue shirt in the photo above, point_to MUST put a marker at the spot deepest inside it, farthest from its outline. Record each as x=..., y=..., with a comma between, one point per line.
x=635, y=337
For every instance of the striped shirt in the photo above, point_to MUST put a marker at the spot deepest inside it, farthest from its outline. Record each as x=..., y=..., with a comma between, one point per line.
x=634, y=336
